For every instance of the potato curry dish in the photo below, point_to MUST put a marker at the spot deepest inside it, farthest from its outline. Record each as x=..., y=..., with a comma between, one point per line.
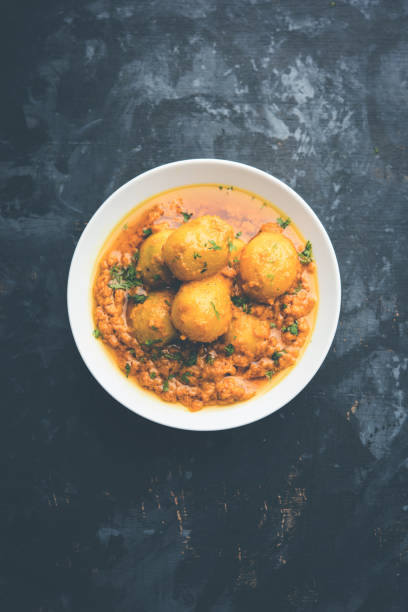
x=205, y=295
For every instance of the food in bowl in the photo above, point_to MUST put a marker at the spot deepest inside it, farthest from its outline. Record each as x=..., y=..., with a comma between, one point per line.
x=205, y=295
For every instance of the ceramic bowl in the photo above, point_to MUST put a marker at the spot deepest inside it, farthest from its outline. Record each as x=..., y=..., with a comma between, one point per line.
x=167, y=177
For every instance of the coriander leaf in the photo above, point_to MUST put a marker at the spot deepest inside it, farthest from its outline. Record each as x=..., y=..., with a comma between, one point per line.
x=210, y=359
x=124, y=278
x=186, y=216
x=185, y=376
x=306, y=256
x=272, y=324
x=298, y=288
x=283, y=306
x=269, y=374
x=231, y=246
x=238, y=234
x=204, y=269
x=241, y=302
x=96, y=333
x=152, y=375
x=139, y=298
x=196, y=255
x=151, y=342
x=217, y=314
x=127, y=369
x=220, y=187
x=229, y=349
x=147, y=232
x=283, y=223
x=277, y=355
x=214, y=246
x=293, y=329
x=192, y=359
x=125, y=226
x=166, y=384
x=167, y=302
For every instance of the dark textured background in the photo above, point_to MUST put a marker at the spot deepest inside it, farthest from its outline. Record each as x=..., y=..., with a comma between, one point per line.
x=304, y=511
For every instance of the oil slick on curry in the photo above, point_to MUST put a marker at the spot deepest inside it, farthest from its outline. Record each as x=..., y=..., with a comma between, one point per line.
x=205, y=295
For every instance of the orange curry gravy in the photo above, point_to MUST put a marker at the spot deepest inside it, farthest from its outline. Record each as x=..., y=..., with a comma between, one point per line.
x=214, y=376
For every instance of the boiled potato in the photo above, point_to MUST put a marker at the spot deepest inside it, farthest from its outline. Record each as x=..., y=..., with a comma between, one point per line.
x=235, y=247
x=269, y=265
x=151, y=263
x=202, y=309
x=150, y=322
x=247, y=333
x=199, y=248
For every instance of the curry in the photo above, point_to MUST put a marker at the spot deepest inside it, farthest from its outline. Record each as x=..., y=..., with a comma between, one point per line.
x=205, y=295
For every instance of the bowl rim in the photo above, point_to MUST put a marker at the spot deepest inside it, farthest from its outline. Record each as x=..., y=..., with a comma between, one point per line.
x=251, y=416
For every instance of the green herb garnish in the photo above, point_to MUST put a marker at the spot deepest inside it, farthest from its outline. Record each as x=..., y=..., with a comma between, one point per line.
x=127, y=369
x=191, y=359
x=147, y=232
x=151, y=342
x=231, y=246
x=210, y=359
x=186, y=216
x=172, y=356
x=214, y=246
x=238, y=234
x=306, y=256
x=185, y=376
x=196, y=255
x=139, y=298
x=167, y=302
x=125, y=226
x=229, y=349
x=96, y=333
x=277, y=355
x=293, y=329
x=204, y=269
x=220, y=187
x=272, y=325
x=283, y=223
x=152, y=375
x=298, y=288
x=283, y=306
x=166, y=382
x=217, y=314
x=124, y=278
x=241, y=302
x=269, y=374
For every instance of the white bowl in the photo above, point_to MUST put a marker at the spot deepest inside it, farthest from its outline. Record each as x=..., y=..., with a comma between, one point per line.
x=167, y=177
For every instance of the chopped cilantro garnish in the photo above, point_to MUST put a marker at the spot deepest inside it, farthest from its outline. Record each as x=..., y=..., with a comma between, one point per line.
x=97, y=333
x=191, y=359
x=147, y=231
x=229, y=349
x=230, y=188
x=166, y=382
x=231, y=246
x=154, y=328
x=157, y=277
x=272, y=325
x=167, y=302
x=196, y=255
x=151, y=342
x=220, y=187
x=298, y=288
x=283, y=306
x=269, y=374
x=204, y=269
x=123, y=278
x=132, y=352
x=125, y=226
x=376, y=150
x=186, y=216
x=235, y=260
x=306, y=256
x=210, y=359
x=293, y=329
x=217, y=314
x=172, y=356
x=127, y=369
x=277, y=355
x=152, y=375
x=238, y=234
x=241, y=302
x=139, y=298
x=214, y=246
x=271, y=277
x=283, y=223
x=185, y=376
